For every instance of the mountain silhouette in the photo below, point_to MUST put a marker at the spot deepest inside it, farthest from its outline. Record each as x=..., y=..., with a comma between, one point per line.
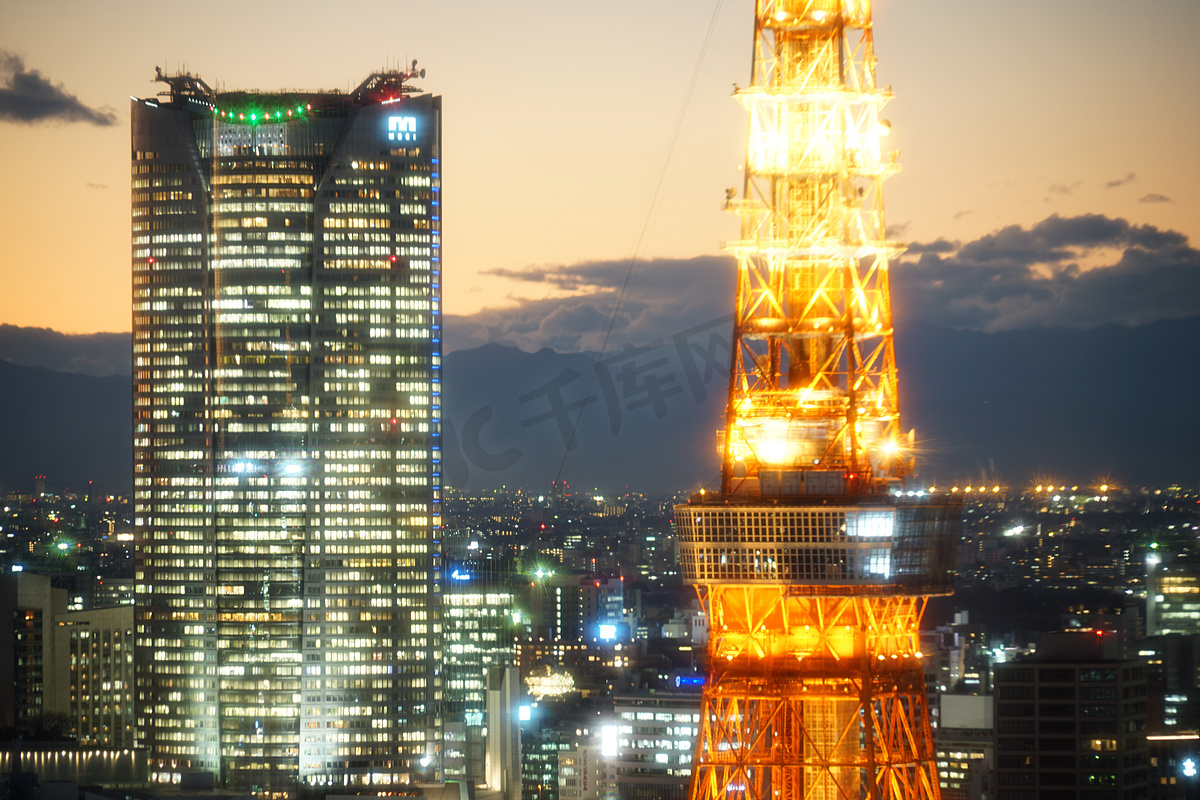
x=1015, y=406
x=71, y=427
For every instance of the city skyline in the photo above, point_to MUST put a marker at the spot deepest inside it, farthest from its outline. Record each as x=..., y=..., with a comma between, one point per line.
x=322, y=583
x=997, y=126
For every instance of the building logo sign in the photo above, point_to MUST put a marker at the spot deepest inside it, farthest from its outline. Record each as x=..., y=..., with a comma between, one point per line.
x=402, y=129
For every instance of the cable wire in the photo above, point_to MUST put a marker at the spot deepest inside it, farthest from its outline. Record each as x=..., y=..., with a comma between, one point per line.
x=652, y=208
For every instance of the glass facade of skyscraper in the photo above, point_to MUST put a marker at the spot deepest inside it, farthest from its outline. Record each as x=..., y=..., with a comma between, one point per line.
x=286, y=291
x=478, y=606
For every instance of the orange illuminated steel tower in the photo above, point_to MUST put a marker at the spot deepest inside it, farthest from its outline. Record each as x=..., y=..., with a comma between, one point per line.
x=814, y=563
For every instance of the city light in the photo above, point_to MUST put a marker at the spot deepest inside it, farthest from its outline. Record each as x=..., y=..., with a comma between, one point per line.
x=552, y=684
x=609, y=741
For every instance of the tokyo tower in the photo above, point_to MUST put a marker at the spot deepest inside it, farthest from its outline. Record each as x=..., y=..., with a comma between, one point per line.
x=813, y=562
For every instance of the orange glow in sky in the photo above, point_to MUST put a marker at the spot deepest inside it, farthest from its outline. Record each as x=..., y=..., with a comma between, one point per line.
x=558, y=117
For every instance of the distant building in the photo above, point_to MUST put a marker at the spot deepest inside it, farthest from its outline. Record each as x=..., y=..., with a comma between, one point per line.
x=573, y=608
x=580, y=774
x=688, y=624
x=1071, y=722
x=540, y=750
x=72, y=671
x=965, y=741
x=1174, y=765
x=656, y=738
x=1126, y=622
x=503, y=746
x=1174, y=668
x=956, y=661
x=113, y=592
x=1172, y=595
x=36, y=693
x=553, y=723
x=477, y=617
x=95, y=649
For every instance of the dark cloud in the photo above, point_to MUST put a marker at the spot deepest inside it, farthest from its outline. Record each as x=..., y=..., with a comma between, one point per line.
x=936, y=246
x=665, y=296
x=27, y=96
x=1154, y=198
x=1074, y=272
x=569, y=279
x=98, y=354
x=1064, y=272
x=1130, y=178
x=1063, y=188
x=91, y=185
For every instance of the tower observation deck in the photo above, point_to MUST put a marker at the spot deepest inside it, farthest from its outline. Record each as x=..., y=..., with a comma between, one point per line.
x=813, y=563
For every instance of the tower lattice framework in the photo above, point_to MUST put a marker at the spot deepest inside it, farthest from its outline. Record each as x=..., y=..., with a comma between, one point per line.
x=813, y=564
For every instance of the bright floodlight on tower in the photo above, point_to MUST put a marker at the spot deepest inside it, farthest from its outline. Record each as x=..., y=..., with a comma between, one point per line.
x=813, y=563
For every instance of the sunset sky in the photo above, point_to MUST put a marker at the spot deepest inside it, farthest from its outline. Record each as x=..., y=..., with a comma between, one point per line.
x=559, y=119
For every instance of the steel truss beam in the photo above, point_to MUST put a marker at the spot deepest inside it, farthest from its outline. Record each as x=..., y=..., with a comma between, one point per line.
x=813, y=698
x=813, y=324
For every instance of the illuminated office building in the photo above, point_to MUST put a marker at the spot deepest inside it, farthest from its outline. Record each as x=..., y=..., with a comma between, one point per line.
x=65, y=666
x=286, y=278
x=1172, y=595
x=477, y=613
x=966, y=746
x=93, y=653
x=656, y=739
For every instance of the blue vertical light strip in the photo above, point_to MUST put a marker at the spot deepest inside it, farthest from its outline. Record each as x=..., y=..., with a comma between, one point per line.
x=436, y=356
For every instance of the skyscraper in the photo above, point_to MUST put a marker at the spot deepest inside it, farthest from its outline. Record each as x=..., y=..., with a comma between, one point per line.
x=286, y=284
